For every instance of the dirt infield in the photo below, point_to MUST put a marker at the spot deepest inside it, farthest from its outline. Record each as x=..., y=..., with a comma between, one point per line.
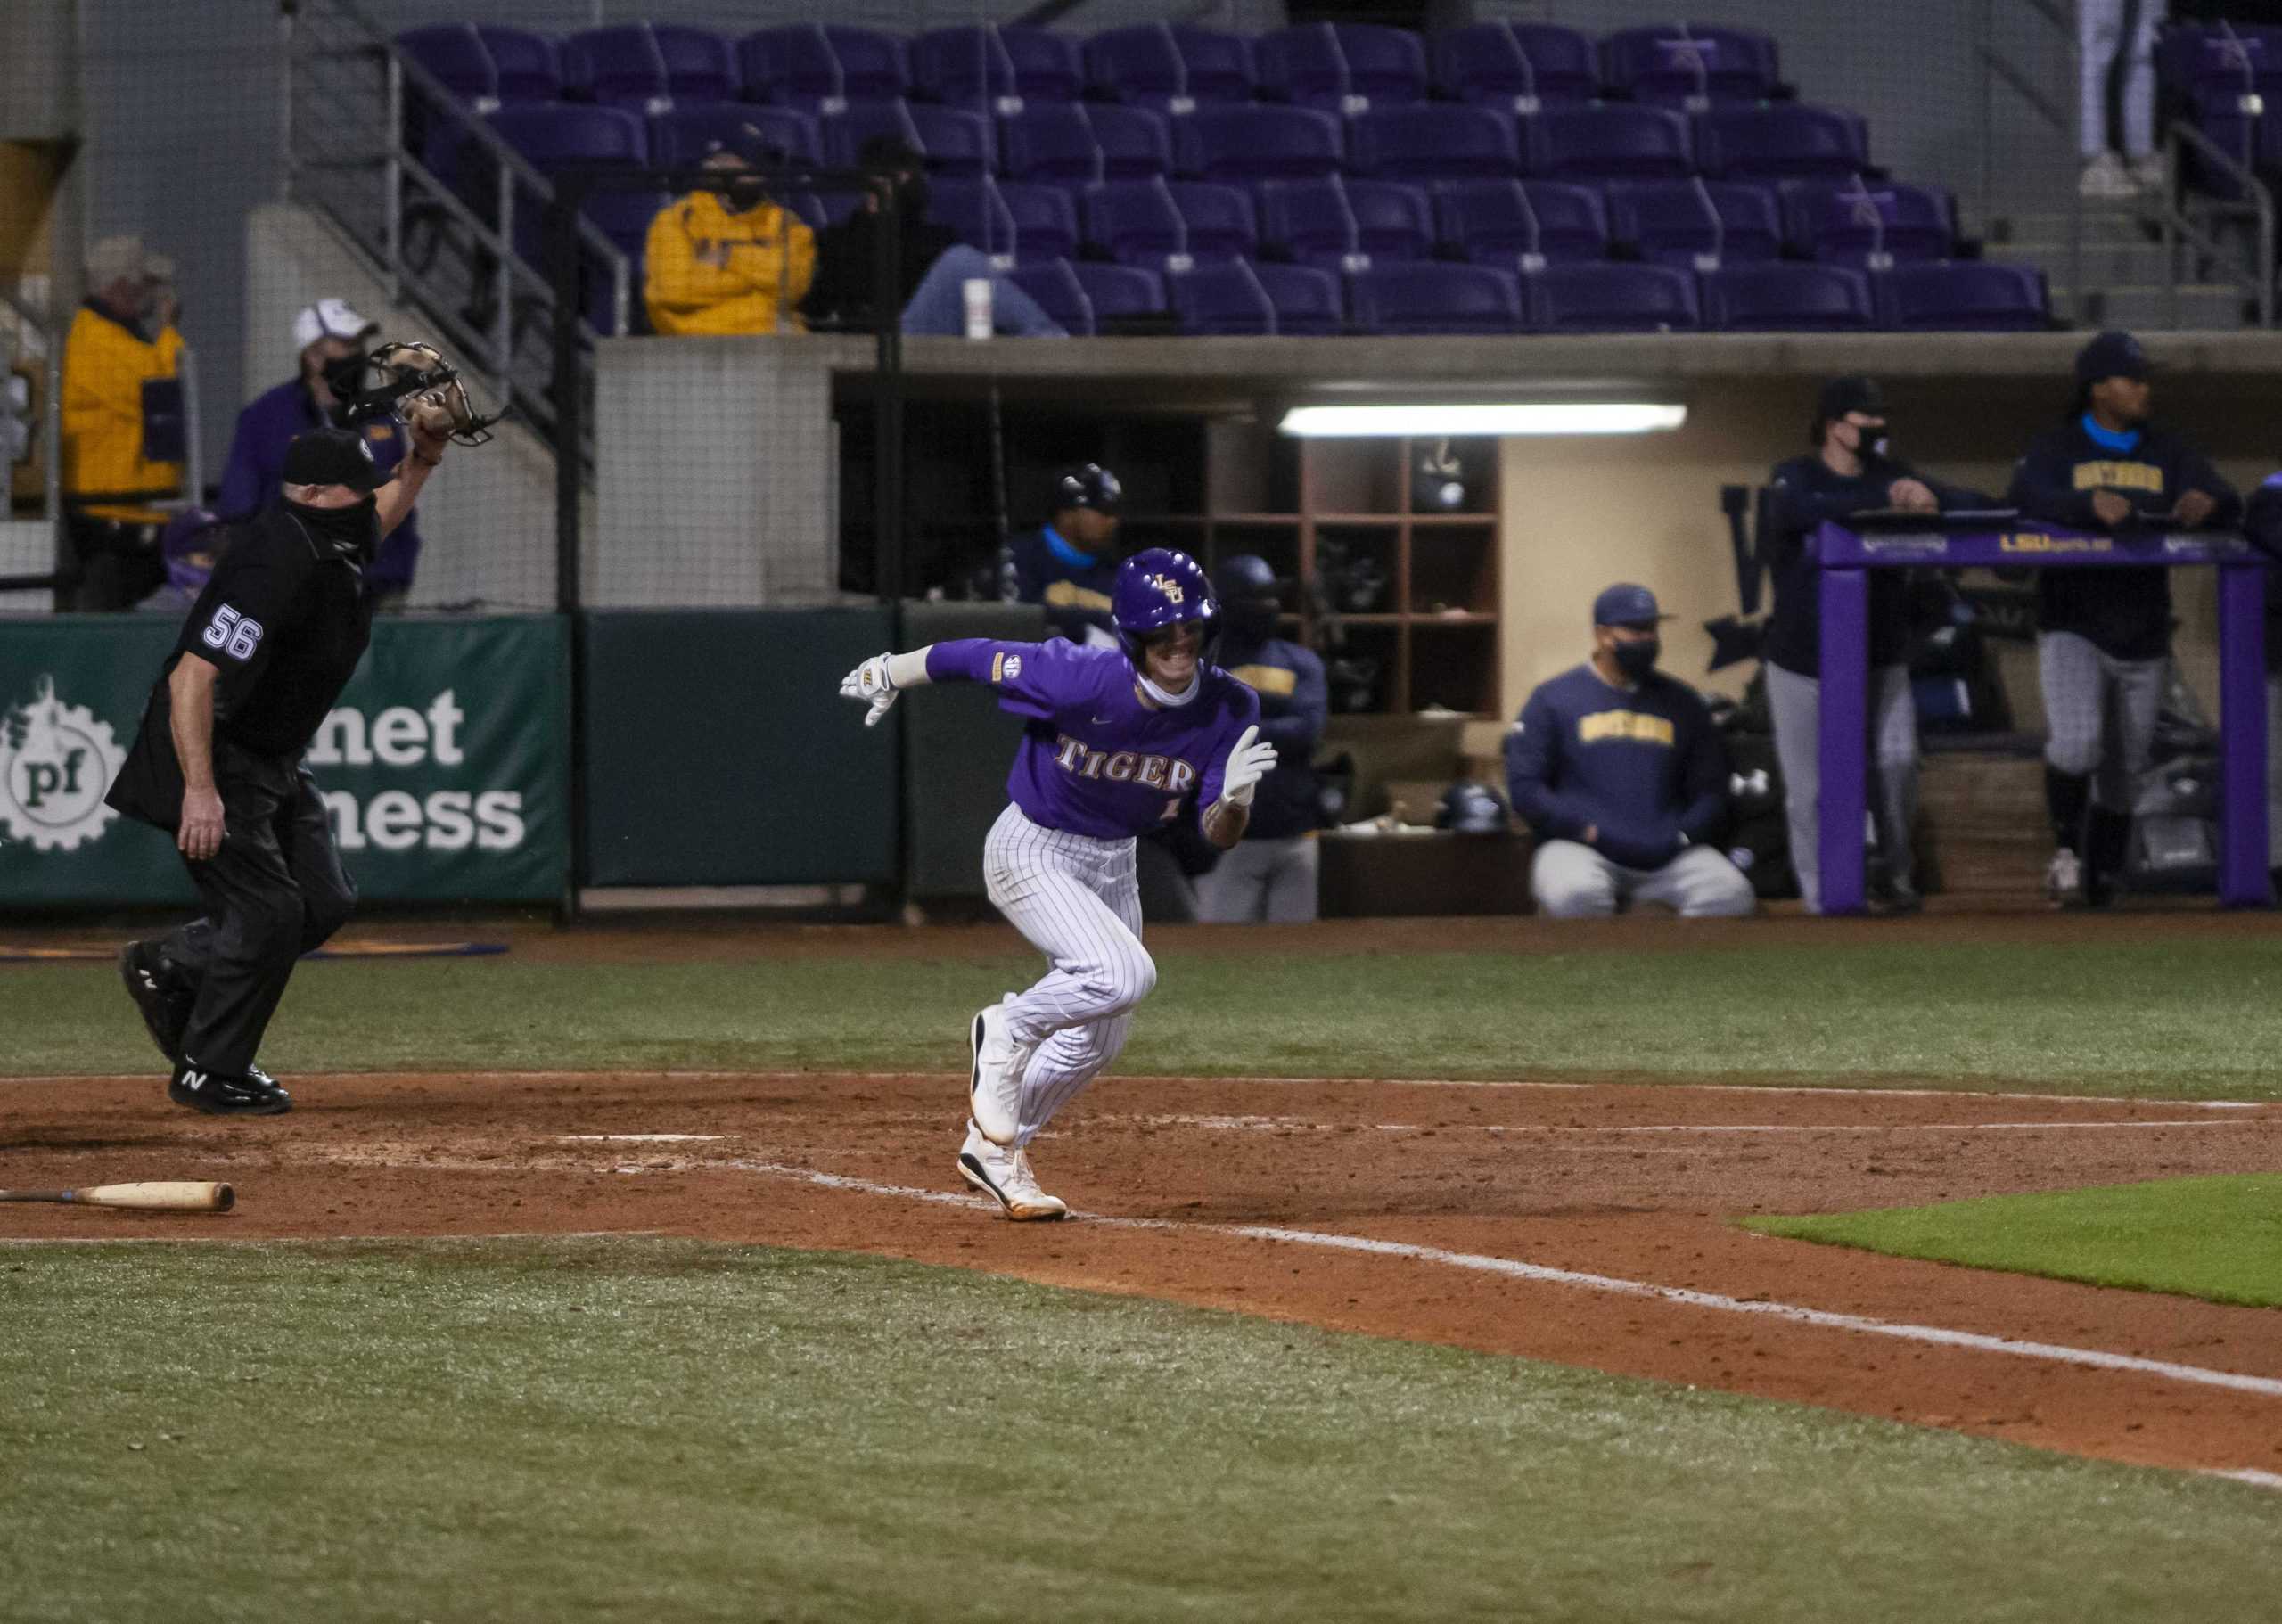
x=1594, y=1191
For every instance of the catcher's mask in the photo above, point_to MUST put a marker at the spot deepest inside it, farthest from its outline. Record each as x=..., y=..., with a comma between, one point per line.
x=394, y=376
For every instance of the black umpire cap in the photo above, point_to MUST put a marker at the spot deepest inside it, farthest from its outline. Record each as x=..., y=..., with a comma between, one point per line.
x=1089, y=485
x=333, y=457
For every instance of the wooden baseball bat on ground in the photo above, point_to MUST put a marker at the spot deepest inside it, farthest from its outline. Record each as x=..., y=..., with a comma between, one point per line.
x=163, y=1196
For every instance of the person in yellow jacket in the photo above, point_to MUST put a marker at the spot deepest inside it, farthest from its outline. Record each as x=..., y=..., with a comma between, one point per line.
x=728, y=261
x=123, y=425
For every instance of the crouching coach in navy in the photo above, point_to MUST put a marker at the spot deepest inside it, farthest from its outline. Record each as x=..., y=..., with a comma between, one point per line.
x=266, y=650
x=1618, y=769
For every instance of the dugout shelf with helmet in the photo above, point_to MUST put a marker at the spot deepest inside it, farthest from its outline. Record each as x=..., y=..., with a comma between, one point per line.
x=1844, y=555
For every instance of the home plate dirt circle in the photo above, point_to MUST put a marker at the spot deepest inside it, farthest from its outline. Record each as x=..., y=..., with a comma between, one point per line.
x=1589, y=1225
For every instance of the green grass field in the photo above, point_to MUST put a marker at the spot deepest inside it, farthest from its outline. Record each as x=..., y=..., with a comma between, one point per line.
x=2183, y=1019
x=648, y=1430
x=2219, y=1238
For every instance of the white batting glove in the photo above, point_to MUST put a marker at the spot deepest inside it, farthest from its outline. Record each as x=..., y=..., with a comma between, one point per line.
x=1252, y=760
x=871, y=683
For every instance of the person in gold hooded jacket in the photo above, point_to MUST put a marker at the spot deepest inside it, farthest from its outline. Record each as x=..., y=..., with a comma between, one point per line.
x=123, y=427
x=728, y=261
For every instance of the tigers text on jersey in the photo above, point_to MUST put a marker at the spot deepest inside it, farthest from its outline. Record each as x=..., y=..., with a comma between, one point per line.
x=1097, y=759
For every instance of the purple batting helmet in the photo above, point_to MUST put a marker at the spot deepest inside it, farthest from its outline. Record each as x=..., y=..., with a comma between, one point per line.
x=1158, y=587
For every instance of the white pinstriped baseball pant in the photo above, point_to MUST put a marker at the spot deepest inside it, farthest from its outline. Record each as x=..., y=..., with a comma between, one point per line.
x=1076, y=900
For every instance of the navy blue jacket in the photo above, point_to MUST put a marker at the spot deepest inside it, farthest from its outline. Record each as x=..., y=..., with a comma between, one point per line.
x=2262, y=523
x=1294, y=702
x=2125, y=613
x=1644, y=767
x=1074, y=586
x=1807, y=492
x=258, y=463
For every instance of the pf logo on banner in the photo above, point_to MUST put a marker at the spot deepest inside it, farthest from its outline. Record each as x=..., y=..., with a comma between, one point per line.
x=56, y=760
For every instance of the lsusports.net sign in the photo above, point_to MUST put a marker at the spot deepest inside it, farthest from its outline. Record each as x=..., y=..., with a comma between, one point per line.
x=445, y=766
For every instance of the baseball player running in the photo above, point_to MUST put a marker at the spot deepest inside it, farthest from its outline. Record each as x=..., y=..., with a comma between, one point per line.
x=1116, y=742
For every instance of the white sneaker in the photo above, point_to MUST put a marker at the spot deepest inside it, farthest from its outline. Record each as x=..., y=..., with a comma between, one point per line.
x=2063, y=878
x=1006, y=1176
x=995, y=1081
x=2150, y=173
x=2105, y=177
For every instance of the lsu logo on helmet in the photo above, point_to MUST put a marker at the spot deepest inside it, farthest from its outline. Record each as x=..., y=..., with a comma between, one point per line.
x=1167, y=586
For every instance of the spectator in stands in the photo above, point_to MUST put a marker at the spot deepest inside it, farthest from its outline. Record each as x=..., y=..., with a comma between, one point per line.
x=123, y=427
x=1619, y=770
x=2263, y=522
x=193, y=540
x=934, y=264
x=328, y=334
x=2104, y=637
x=1270, y=875
x=729, y=261
x=1069, y=562
x=2116, y=96
x=1849, y=471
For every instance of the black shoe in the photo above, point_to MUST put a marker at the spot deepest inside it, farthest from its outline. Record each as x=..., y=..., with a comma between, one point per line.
x=164, y=1004
x=1896, y=900
x=223, y=1094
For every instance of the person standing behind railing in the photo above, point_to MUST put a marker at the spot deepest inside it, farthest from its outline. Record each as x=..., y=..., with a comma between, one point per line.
x=2262, y=523
x=123, y=436
x=729, y=261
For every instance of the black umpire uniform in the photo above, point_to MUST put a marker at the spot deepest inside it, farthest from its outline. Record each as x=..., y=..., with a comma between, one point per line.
x=283, y=622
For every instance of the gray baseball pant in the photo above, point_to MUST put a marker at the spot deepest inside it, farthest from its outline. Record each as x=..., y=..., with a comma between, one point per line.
x=1572, y=881
x=2099, y=714
x=1269, y=882
x=1795, y=702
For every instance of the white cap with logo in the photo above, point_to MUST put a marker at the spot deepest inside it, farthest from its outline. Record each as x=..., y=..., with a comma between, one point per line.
x=330, y=318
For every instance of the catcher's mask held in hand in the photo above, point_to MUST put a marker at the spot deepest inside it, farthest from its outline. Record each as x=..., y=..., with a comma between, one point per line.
x=395, y=377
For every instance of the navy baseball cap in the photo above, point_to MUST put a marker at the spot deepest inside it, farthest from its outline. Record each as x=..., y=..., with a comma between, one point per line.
x=1626, y=604
x=333, y=457
x=1856, y=393
x=2112, y=355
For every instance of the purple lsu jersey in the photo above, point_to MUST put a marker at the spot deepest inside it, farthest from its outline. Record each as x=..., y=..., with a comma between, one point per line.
x=1097, y=758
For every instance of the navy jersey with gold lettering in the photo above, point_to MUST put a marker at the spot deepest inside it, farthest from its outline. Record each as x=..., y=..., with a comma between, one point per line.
x=1074, y=585
x=2125, y=613
x=1642, y=767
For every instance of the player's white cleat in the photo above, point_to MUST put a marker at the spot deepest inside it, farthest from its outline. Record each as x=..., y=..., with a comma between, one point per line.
x=2063, y=878
x=994, y=1082
x=1006, y=1176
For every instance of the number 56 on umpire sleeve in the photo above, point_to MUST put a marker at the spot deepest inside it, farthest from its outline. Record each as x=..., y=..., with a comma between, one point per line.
x=234, y=634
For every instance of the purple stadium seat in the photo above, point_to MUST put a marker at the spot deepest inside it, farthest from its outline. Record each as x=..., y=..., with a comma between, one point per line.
x=1965, y=297
x=1785, y=297
x=559, y=139
x=1611, y=299
x=1341, y=225
x=2218, y=66
x=951, y=139
x=1688, y=64
x=1159, y=224
x=1434, y=141
x=524, y=65
x=1253, y=143
x=1433, y=296
x=1172, y=67
x=1866, y=223
x=564, y=134
x=1084, y=141
x=1240, y=296
x=648, y=67
x=1088, y=298
x=822, y=67
x=1519, y=66
x=1341, y=67
x=1782, y=141
x=1606, y=143
x=1031, y=223
x=1523, y=224
x=678, y=139
x=1696, y=224
x=1006, y=67
x=454, y=54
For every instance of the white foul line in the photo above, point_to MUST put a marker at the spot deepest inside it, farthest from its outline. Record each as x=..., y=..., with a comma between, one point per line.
x=1255, y=1124
x=2094, y=1359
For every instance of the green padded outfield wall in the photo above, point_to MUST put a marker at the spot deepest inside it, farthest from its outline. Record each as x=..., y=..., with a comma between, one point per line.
x=719, y=752
x=957, y=746
x=446, y=766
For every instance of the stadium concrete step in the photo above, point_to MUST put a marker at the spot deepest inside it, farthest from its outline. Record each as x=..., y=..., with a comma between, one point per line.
x=2105, y=263
x=1984, y=814
x=2155, y=307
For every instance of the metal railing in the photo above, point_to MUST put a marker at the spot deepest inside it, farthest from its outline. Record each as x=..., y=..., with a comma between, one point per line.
x=2184, y=230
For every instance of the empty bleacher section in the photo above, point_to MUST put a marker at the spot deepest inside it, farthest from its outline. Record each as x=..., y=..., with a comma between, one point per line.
x=1437, y=180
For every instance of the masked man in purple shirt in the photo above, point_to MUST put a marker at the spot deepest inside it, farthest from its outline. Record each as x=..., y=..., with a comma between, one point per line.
x=1116, y=742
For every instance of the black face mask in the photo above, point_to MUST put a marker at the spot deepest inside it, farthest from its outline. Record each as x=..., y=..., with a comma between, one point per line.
x=745, y=196
x=349, y=532
x=1636, y=659
x=911, y=196
x=1876, y=445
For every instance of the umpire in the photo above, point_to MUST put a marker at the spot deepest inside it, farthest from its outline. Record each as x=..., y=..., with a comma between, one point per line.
x=266, y=650
x=2104, y=637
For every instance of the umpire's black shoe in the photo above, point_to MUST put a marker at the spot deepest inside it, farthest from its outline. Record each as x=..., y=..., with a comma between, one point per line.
x=162, y=1001
x=226, y=1093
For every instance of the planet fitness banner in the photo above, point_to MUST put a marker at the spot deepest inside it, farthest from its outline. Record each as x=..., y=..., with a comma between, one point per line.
x=446, y=766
